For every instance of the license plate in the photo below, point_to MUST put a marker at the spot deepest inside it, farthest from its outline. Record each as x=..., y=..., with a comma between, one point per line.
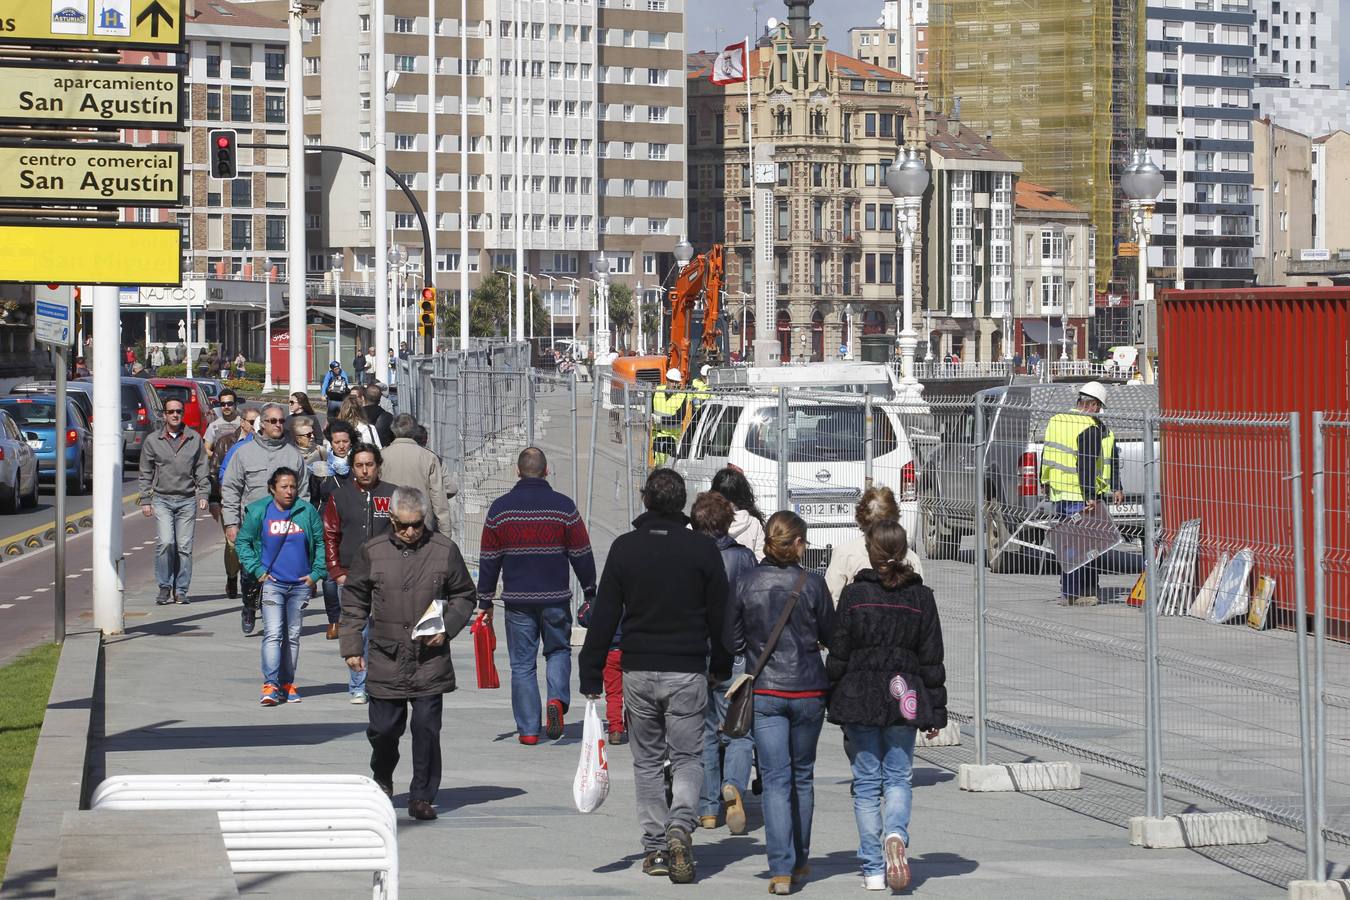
x=1126, y=509
x=36, y=445
x=823, y=510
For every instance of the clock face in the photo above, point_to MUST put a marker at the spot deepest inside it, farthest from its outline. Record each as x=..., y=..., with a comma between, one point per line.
x=765, y=173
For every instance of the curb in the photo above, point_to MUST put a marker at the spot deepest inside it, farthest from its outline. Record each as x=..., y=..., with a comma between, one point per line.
x=45, y=535
x=61, y=775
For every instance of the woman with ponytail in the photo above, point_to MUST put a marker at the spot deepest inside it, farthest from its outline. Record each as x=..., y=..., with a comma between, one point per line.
x=887, y=682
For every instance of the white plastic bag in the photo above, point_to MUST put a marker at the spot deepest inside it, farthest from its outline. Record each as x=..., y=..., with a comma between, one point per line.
x=591, y=786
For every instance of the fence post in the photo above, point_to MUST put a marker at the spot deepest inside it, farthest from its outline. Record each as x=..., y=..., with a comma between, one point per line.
x=981, y=664
x=590, y=465
x=867, y=437
x=1301, y=630
x=1153, y=792
x=782, y=449
x=627, y=454
x=1319, y=731
x=576, y=464
x=529, y=406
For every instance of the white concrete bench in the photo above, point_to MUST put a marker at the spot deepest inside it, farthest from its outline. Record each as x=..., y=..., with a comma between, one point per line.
x=280, y=823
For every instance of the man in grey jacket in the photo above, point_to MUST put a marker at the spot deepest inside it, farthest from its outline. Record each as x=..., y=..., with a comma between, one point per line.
x=245, y=480
x=408, y=463
x=173, y=486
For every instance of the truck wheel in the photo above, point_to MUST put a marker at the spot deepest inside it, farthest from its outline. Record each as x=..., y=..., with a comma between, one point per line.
x=1002, y=559
x=938, y=540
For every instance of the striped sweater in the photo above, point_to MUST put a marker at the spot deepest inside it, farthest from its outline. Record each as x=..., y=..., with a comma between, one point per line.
x=531, y=535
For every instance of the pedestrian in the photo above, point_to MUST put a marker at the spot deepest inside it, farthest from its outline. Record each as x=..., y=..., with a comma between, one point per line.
x=227, y=419
x=359, y=367
x=726, y=760
x=241, y=367
x=392, y=582
x=326, y=476
x=370, y=366
x=748, y=526
x=531, y=535
x=408, y=463
x=670, y=404
x=886, y=628
x=173, y=486
x=156, y=358
x=244, y=480
x=668, y=586
x=81, y=368
x=1079, y=463
x=299, y=405
x=281, y=545
x=613, y=678
x=244, y=426
x=354, y=514
x=421, y=436
x=789, y=692
x=128, y=359
x=403, y=350
x=335, y=388
x=379, y=417
x=849, y=556
x=306, y=439
x=353, y=413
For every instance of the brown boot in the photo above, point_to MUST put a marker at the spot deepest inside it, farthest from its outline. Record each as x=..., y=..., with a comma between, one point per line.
x=333, y=632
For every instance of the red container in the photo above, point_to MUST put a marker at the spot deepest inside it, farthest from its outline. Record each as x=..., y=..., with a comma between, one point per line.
x=1256, y=351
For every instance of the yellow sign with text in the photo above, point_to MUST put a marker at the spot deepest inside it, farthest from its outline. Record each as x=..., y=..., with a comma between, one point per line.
x=108, y=175
x=122, y=253
x=112, y=96
x=152, y=24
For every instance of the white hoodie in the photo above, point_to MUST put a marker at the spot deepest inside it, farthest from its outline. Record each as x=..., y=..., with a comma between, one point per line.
x=746, y=531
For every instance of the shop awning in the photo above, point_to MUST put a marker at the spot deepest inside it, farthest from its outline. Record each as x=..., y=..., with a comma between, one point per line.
x=1038, y=331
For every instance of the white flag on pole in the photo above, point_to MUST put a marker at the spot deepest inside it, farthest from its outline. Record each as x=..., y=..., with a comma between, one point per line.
x=731, y=64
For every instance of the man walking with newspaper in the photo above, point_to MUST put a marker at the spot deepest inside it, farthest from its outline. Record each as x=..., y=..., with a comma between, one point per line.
x=1079, y=464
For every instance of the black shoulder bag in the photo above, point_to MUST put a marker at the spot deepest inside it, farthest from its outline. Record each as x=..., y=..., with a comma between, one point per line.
x=740, y=715
x=252, y=587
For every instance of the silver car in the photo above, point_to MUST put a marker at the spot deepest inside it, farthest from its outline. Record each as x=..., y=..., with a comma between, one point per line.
x=18, y=467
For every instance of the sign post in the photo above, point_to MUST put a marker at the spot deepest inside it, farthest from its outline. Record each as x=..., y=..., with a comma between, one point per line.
x=54, y=325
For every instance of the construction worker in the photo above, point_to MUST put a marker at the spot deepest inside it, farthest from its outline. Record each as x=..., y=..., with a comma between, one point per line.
x=1079, y=464
x=698, y=389
x=668, y=410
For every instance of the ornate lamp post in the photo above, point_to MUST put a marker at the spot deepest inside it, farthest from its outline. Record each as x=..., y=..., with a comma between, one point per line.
x=602, y=332
x=1140, y=182
x=908, y=180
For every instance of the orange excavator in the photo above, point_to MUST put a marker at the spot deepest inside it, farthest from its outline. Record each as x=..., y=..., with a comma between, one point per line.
x=702, y=277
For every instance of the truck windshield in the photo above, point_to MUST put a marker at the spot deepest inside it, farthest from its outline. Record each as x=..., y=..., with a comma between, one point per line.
x=820, y=433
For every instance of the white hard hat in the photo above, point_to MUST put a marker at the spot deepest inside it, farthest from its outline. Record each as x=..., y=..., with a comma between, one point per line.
x=704, y=371
x=1094, y=390
x=673, y=375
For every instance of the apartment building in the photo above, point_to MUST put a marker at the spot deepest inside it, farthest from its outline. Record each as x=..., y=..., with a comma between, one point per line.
x=898, y=40
x=1283, y=200
x=1330, y=188
x=1207, y=51
x=836, y=124
x=1055, y=302
x=968, y=254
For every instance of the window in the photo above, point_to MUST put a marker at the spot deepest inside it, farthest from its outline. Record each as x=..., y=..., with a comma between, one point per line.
x=274, y=63
x=274, y=107
x=405, y=63
x=658, y=226
x=870, y=125
x=870, y=217
x=747, y=220
x=241, y=107
x=403, y=25
x=782, y=222
x=364, y=21
x=241, y=233
x=212, y=59
x=656, y=188
x=363, y=62
x=1173, y=31
x=241, y=193
x=312, y=65
x=1052, y=293
x=213, y=106
x=886, y=262
x=657, y=151
x=405, y=142
x=1052, y=245
x=241, y=61
x=656, y=76
x=817, y=174
x=657, y=113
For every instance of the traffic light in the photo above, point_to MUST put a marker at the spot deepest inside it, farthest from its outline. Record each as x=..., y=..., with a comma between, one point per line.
x=224, y=159
x=426, y=312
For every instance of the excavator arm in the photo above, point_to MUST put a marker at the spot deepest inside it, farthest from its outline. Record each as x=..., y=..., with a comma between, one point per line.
x=703, y=275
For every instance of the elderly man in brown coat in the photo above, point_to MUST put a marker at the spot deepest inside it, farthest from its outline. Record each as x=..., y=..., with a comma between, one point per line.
x=392, y=582
x=408, y=462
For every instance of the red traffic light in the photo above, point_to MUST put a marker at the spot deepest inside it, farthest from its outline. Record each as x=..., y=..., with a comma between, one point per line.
x=222, y=142
x=428, y=293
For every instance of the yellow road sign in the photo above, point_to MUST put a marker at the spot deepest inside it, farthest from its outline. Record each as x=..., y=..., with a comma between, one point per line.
x=34, y=93
x=122, y=253
x=96, y=174
x=153, y=24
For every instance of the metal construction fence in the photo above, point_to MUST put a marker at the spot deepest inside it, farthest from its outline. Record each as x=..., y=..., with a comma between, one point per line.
x=1203, y=655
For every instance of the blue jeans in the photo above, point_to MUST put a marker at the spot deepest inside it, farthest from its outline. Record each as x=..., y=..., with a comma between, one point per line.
x=356, y=681
x=732, y=766
x=282, y=610
x=1081, y=582
x=175, y=527
x=332, y=604
x=526, y=626
x=883, y=760
x=786, y=732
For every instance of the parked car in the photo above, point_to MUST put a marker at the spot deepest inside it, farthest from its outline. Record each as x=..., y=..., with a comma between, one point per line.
x=213, y=388
x=142, y=414
x=18, y=467
x=1015, y=420
x=35, y=414
x=826, y=457
x=82, y=392
x=192, y=393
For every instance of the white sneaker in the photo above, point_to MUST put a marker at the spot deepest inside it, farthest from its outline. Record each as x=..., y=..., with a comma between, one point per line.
x=359, y=698
x=874, y=882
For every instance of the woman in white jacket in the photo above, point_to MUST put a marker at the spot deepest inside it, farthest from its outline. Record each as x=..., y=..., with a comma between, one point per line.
x=747, y=529
x=877, y=504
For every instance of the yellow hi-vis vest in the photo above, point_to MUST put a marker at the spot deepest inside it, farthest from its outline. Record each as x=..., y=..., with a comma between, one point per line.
x=1104, y=470
x=667, y=407
x=1059, y=455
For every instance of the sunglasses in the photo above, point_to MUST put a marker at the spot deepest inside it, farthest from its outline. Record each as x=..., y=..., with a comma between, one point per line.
x=406, y=526
x=227, y=403
x=304, y=434
x=275, y=421
x=173, y=412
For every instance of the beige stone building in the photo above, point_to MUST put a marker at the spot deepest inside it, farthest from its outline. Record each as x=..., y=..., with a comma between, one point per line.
x=1331, y=191
x=1282, y=192
x=836, y=123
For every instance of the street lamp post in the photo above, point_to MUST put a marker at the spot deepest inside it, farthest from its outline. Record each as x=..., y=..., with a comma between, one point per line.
x=849, y=313
x=1056, y=231
x=1140, y=182
x=398, y=261
x=908, y=180
x=509, y=283
x=684, y=252
x=602, y=333
x=637, y=305
x=336, y=261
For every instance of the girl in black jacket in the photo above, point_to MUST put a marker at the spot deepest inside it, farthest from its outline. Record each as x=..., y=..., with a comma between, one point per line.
x=887, y=682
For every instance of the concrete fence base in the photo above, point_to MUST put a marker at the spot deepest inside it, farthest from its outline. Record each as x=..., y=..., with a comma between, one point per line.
x=1038, y=776
x=1219, y=829
x=947, y=737
x=1319, y=890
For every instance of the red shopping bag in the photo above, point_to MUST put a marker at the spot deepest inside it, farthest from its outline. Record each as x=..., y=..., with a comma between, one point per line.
x=484, y=644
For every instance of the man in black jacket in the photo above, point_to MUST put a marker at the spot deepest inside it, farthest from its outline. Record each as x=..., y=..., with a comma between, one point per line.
x=668, y=586
x=377, y=415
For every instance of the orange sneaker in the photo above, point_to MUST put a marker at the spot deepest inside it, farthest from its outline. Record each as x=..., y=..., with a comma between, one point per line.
x=292, y=695
x=271, y=695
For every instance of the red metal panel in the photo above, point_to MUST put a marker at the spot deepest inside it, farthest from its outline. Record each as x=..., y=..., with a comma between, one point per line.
x=1256, y=351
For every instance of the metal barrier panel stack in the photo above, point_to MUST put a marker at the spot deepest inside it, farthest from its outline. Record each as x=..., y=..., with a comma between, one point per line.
x=1330, y=688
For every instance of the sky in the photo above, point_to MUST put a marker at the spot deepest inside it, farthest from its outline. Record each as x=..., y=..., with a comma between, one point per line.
x=737, y=20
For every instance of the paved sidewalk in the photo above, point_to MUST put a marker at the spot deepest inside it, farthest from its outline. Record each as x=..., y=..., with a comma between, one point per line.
x=182, y=689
